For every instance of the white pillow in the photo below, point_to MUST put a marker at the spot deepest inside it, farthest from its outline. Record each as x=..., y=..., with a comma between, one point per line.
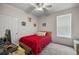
x=41, y=33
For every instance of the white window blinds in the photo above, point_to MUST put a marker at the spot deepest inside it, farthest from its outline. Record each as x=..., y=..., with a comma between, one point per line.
x=64, y=25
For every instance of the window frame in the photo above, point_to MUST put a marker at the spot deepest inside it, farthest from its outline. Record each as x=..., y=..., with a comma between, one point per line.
x=70, y=15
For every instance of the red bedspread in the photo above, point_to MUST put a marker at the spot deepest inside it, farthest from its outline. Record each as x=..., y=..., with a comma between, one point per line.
x=36, y=43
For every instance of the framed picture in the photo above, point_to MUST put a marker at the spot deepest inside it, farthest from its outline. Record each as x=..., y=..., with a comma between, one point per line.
x=34, y=25
x=23, y=23
x=44, y=24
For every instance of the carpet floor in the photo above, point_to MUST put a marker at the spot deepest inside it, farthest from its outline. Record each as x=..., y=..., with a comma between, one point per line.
x=57, y=49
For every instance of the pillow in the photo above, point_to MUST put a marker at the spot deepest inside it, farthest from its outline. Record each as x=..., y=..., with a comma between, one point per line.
x=41, y=33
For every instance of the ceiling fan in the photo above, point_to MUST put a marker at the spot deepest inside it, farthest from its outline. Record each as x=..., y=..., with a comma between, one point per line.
x=41, y=7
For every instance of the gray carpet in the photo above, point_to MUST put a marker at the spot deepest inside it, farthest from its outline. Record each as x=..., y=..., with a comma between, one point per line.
x=57, y=49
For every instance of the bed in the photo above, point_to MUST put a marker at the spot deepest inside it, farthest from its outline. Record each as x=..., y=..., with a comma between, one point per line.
x=35, y=43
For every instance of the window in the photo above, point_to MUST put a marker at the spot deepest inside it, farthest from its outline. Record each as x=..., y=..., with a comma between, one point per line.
x=64, y=26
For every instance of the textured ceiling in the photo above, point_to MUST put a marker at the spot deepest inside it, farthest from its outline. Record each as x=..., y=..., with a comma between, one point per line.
x=27, y=7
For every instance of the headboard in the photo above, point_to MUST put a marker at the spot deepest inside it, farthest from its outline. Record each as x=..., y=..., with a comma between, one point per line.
x=49, y=33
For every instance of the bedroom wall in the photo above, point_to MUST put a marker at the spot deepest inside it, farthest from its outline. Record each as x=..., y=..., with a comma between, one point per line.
x=51, y=25
x=8, y=14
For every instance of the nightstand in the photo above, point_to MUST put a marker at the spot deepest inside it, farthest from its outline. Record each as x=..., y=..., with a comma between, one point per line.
x=76, y=46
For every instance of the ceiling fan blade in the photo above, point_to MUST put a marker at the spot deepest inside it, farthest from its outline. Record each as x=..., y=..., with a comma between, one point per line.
x=45, y=11
x=48, y=5
x=34, y=5
x=39, y=4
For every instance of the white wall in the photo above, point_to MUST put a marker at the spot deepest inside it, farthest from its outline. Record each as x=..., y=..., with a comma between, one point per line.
x=51, y=25
x=8, y=13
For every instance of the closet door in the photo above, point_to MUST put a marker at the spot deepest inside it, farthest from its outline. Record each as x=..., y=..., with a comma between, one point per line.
x=9, y=22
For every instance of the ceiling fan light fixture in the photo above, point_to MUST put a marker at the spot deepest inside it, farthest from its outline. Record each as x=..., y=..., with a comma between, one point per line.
x=39, y=9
